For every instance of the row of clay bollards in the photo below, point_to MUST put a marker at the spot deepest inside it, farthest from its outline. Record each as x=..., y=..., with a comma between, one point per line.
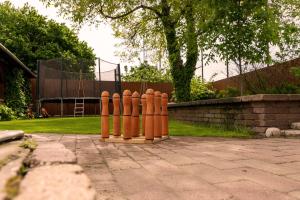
x=154, y=115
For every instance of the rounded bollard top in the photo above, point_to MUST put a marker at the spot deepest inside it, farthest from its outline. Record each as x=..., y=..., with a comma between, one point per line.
x=126, y=93
x=157, y=93
x=150, y=91
x=116, y=96
x=105, y=94
x=135, y=95
x=164, y=95
x=143, y=96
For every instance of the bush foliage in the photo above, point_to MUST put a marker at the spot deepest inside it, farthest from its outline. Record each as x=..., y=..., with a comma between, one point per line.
x=201, y=90
x=16, y=96
x=6, y=113
x=146, y=73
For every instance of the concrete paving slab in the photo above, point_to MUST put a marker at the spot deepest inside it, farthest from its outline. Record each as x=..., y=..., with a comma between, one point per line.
x=61, y=182
x=52, y=153
x=11, y=135
x=191, y=168
x=248, y=190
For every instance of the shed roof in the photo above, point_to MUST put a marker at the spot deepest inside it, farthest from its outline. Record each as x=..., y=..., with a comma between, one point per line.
x=13, y=58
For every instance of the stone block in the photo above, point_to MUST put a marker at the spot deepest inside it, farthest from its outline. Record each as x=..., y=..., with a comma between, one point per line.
x=62, y=182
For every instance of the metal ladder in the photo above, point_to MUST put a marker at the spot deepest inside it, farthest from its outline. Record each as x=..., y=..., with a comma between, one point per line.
x=79, y=102
x=79, y=107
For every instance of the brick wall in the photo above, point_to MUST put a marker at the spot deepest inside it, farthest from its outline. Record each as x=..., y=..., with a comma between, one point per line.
x=257, y=112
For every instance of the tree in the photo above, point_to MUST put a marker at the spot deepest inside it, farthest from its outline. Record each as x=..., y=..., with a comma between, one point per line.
x=31, y=37
x=146, y=73
x=170, y=24
x=244, y=32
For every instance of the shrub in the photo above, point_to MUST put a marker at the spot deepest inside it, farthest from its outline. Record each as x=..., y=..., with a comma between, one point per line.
x=6, y=113
x=15, y=95
x=201, y=90
x=296, y=71
x=146, y=73
x=228, y=92
x=286, y=88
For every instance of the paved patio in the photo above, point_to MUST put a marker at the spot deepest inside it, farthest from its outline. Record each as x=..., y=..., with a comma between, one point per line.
x=190, y=168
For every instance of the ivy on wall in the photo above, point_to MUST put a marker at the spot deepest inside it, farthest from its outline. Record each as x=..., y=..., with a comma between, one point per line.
x=16, y=94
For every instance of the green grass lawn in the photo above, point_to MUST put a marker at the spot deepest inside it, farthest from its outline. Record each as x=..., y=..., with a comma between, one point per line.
x=91, y=125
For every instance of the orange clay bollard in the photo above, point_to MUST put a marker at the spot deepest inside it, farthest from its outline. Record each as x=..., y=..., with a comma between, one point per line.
x=164, y=115
x=144, y=108
x=116, y=118
x=105, y=115
x=149, y=128
x=157, y=114
x=127, y=114
x=135, y=116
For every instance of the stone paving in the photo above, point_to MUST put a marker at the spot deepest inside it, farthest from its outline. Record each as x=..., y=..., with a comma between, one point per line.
x=190, y=168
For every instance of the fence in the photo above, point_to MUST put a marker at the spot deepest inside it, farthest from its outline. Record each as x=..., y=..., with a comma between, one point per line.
x=92, y=106
x=260, y=80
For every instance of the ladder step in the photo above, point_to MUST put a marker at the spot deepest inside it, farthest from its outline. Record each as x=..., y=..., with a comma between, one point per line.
x=82, y=106
x=79, y=107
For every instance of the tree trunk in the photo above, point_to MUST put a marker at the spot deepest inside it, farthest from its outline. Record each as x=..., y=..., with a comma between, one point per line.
x=182, y=73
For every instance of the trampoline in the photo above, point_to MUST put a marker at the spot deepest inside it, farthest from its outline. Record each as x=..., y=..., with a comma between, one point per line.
x=71, y=82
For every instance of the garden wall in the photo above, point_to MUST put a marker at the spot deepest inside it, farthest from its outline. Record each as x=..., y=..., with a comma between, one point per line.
x=256, y=111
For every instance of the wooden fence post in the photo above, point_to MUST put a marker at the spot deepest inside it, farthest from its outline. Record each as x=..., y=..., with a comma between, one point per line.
x=105, y=115
x=116, y=117
x=157, y=114
x=164, y=115
x=144, y=109
x=127, y=114
x=149, y=128
x=135, y=116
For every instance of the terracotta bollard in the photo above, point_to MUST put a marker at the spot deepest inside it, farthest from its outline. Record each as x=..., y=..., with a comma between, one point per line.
x=144, y=109
x=157, y=114
x=105, y=115
x=127, y=114
x=149, y=122
x=116, y=118
x=164, y=115
x=135, y=115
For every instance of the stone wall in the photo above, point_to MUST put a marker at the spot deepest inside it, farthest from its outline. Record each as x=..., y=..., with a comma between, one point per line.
x=256, y=111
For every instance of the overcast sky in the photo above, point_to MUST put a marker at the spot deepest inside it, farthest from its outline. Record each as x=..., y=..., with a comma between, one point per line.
x=103, y=42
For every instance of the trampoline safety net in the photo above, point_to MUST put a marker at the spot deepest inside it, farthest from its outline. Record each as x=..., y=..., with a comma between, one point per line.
x=63, y=78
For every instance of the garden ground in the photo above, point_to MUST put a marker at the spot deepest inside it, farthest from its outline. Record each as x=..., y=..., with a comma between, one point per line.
x=189, y=168
x=91, y=125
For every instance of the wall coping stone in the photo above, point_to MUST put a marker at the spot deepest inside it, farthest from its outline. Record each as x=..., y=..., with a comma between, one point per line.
x=249, y=98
